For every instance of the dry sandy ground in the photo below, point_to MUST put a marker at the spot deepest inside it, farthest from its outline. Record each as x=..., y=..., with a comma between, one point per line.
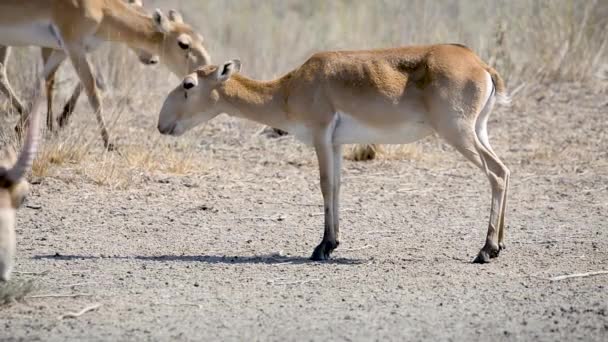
x=222, y=253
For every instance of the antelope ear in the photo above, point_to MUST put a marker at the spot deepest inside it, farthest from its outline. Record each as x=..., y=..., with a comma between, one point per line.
x=175, y=16
x=161, y=21
x=224, y=72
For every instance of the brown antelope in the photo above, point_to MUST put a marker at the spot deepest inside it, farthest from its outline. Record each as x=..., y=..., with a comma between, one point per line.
x=5, y=87
x=391, y=96
x=73, y=27
x=14, y=188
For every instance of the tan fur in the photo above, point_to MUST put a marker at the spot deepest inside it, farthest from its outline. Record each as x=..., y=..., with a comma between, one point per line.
x=76, y=22
x=5, y=87
x=445, y=89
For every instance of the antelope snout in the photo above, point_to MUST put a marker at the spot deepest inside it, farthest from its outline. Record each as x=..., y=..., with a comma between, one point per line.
x=166, y=129
x=188, y=84
x=153, y=60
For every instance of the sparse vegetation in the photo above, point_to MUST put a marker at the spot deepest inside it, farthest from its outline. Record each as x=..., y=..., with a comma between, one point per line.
x=207, y=236
x=530, y=43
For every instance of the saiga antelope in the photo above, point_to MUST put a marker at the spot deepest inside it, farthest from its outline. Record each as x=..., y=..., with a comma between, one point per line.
x=391, y=96
x=72, y=27
x=5, y=86
x=14, y=188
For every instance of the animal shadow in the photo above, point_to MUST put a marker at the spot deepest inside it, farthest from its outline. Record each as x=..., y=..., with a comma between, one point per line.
x=210, y=259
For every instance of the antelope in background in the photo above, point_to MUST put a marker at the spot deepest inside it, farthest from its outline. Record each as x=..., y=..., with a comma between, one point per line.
x=5, y=86
x=14, y=188
x=389, y=96
x=73, y=27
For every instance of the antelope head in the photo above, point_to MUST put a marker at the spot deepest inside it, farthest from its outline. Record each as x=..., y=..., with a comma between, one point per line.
x=144, y=57
x=14, y=188
x=182, y=48
x=197, y=99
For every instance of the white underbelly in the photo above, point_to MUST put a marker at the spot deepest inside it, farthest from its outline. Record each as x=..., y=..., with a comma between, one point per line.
x=36, y=33
x=350, y=131
x=300, y=131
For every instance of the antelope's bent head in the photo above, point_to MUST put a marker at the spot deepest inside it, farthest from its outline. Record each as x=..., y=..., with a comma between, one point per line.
x=14, y=188
x=196, y=99
x=144, y=57
x=182, y=48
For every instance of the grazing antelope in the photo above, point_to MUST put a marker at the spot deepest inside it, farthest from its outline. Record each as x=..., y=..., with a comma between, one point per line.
x=14, y=188
x=390, y=96
x=5, y=87
x=73, y=27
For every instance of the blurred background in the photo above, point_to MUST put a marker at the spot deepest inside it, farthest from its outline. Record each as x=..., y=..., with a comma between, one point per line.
x=527, y=41
x=531, y=43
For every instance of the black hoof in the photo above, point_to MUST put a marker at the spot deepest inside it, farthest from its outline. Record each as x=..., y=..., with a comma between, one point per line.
x=487, y=252
x=323, y=250
x=62, y=121
x=482, y=258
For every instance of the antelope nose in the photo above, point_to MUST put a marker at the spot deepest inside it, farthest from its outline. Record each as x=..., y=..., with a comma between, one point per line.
x=188, y=84
x=166, y=129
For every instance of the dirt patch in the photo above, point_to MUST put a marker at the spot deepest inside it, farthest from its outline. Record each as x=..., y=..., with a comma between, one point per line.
x=219, y=250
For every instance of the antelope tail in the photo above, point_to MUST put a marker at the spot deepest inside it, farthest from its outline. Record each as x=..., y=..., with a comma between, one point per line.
x=502, y=97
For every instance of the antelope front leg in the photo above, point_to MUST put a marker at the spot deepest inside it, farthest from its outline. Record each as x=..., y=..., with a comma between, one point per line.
x=326, y=155
x=50, y=67
x=337, y=153
x=50, y=87
x=68, y=109
x=85, y=73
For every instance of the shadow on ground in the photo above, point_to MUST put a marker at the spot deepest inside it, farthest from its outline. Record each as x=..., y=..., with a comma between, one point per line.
x=212, y=259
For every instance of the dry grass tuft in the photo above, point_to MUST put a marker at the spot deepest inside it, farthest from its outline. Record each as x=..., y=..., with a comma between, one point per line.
x=57, y=153
x=161, y=158
x=363, y=152
x=404, y=152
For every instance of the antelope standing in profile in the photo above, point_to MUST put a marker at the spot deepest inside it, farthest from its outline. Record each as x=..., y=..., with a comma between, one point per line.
x=390, y=96
x=5, y=86
x=73, y=27
x=14, y=188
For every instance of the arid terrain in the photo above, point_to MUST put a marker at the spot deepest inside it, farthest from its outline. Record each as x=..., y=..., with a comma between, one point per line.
x=207, y=237
x=220, y=253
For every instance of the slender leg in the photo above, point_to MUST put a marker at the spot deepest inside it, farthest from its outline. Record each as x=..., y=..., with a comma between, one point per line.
x=5, y=86
x=501, y=229
x=68, y=109
x=50, y=86
x=481, y=131
x=467, y=143
x=326, y=155
x=85, y=73
x=50, y=67
x=337, y=151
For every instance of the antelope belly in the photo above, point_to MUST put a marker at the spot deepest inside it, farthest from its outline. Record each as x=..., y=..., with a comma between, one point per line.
x=352, y=131
x=35, y=33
